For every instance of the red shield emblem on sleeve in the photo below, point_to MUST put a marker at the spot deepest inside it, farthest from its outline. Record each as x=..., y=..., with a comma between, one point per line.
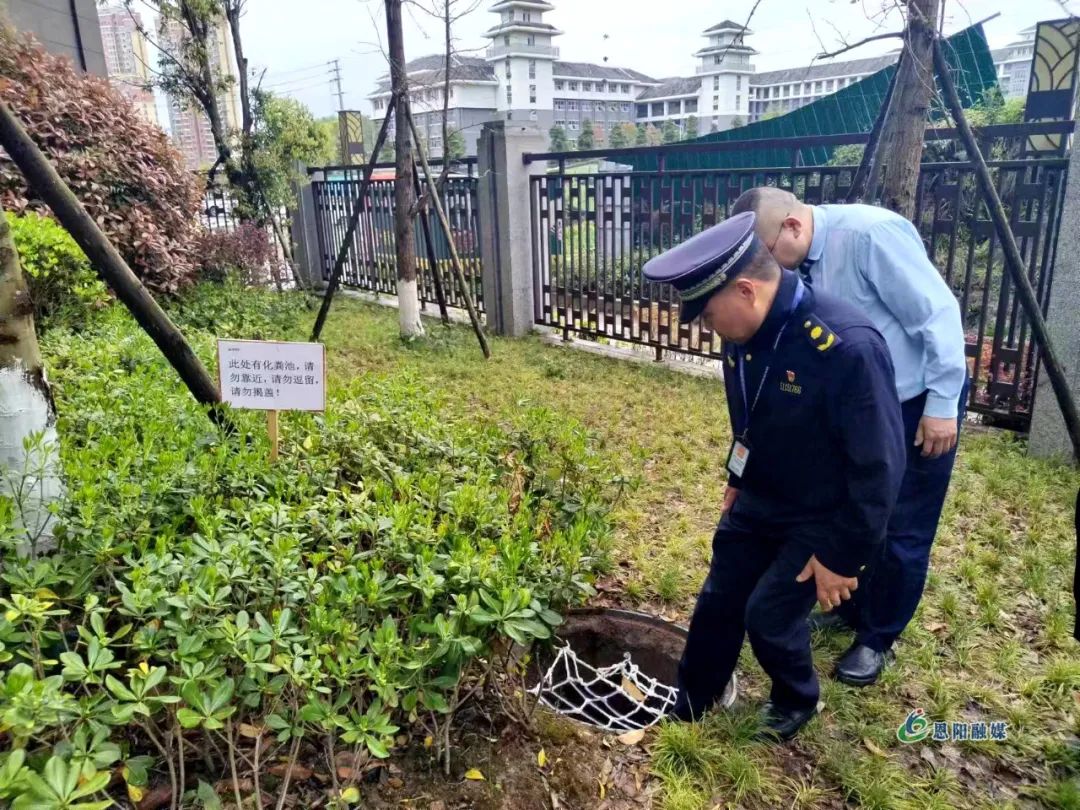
x=791, y=376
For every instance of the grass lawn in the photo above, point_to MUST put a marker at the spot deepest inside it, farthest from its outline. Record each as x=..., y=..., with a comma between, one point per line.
x=992, y=640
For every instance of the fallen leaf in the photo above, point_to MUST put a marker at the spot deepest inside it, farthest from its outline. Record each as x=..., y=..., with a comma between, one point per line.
x=603, y=790
x=429, y=741
x=632, y=690
x=395, y=782
x=250, y=731
x=474, y=774
x=937, y=627
x=439, y=804
x=350, y=795
x=157, y=798
x=874, y=747
x=541, y=758
x=135, y=793
x=632, y=737
x=299, y=772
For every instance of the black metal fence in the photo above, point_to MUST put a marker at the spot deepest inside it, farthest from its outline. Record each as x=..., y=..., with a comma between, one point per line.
x=218, y=209
x=372, y=264
x=592, y=232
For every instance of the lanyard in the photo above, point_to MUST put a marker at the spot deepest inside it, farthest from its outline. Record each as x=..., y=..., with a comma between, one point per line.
x=748, y=407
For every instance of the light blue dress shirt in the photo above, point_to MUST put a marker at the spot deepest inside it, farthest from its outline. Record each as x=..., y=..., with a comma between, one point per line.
x=875, y=259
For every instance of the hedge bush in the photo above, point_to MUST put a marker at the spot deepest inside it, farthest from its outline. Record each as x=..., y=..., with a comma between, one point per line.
x=62, y=283
x=122, y=168
x=203, y=601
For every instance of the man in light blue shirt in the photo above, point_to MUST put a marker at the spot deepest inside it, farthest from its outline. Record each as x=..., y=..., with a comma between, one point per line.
x=875, y=259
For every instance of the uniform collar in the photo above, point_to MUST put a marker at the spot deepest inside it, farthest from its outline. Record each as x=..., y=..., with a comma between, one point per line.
x=779, y=312
x=821, y=230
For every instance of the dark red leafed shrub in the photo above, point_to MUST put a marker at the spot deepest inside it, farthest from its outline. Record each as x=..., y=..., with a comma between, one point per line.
x=245, y=252
x=122, y=168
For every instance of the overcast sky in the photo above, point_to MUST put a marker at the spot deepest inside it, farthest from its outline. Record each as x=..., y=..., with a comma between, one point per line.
x=294, y=39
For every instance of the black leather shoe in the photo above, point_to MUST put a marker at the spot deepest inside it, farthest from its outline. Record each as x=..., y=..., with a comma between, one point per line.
x=779, y=724
x=827, y=621
x=860, y=665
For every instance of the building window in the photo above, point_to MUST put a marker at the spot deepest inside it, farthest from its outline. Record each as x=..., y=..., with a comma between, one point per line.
x=626, y=88
x=715, y=103
x=806, y=88
x=526, y=16
x=715, y=82
x=573, y=125
x=626, y=106
x=738, y=82
x=571, y=105
x=787, y=90
x=817, y=87
x=532, y=68
x=658, y=109
x=614, y=106
x=508, y=68
x=586, y=106
x=642, y=110
x=691, y=105
x=531, y=39
x=532, y=93
x=560, y=104
x=718, y=58
x=509, y=95
x=573, y=87
x=506, y=40
x=532, y=115
x=586, y=87
x=829, y=86
x=559, y=85
x=738, y=102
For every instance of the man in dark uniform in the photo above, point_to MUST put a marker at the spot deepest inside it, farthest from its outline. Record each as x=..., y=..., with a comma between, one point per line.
x=817, y=459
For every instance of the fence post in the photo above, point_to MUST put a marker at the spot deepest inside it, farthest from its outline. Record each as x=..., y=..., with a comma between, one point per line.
x=305, y=236
x=505, y=223
x=1048, y=436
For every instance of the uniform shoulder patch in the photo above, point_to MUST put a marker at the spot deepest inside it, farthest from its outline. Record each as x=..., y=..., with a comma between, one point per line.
x=819, y=334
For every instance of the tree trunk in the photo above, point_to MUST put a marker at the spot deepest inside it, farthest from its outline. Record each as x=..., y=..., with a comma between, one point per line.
x=404, y=235
x=902, y=134
x=29, y=468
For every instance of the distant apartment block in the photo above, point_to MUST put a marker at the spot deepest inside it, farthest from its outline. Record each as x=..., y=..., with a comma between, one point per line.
x=1013, y=64
x=188, y=125
x=127, y=58
x=65, y=27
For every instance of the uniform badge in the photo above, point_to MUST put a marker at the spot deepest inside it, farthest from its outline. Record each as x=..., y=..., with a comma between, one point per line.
x=791, y=376
x=790, y=387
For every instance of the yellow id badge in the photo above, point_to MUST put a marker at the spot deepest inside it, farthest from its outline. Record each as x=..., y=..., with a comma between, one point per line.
x=737, y=458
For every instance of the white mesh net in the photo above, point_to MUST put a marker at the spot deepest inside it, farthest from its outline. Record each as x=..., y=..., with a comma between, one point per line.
x=615, y=698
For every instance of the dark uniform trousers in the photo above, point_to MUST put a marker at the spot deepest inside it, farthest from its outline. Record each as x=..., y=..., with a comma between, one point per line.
x=750, y=591
x=887, y=599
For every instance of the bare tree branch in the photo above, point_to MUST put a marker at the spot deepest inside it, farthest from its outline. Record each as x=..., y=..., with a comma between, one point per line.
x=860, y=43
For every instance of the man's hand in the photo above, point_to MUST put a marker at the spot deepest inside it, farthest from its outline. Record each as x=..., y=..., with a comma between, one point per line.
x=832, y=588
x=730, y=494
x=936, y=436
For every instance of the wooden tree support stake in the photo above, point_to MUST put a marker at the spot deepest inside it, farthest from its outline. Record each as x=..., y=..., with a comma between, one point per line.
x=109, y=264
x=433, y=261
x=455, y=260
x=354, y=221
x=272, y=432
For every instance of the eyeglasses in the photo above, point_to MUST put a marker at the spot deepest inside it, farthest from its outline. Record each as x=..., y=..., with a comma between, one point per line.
x=779, y=233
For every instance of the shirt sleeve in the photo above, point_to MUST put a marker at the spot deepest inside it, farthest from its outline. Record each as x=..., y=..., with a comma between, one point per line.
x=866, y=416
x=908, y=284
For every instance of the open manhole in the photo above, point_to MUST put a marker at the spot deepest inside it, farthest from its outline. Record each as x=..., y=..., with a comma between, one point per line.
x=612, y=669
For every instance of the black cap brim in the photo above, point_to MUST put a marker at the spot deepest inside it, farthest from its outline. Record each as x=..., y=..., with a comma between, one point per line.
x=688, y=310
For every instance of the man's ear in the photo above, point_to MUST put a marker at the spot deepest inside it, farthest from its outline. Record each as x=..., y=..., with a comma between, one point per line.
x=795, y=225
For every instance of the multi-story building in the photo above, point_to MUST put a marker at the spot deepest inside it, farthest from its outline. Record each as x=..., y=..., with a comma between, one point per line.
x=188, y=125
x=776, y=92
x=522, y=78
x=1013, y=63
x=65, y=27
x=126, y=58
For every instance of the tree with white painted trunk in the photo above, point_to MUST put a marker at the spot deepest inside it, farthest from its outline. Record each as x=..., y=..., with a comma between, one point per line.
x=404, y=193
x=29, y=453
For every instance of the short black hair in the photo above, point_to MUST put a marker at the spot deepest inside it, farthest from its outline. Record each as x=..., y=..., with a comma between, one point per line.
x=761, y=266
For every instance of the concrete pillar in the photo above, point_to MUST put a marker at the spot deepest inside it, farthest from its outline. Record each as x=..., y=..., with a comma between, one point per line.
x=506, y=231
x=1048, y=436
x=305, y=236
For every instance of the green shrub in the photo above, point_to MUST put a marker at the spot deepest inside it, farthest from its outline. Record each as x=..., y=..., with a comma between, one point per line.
x=62, y=283
x=201, y=594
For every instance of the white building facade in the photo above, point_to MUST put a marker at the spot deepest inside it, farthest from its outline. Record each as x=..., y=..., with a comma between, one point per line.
x=521, y=78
